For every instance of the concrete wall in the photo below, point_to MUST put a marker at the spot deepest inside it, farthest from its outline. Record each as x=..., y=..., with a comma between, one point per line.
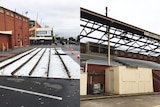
x=83, y=83
x=129, y=80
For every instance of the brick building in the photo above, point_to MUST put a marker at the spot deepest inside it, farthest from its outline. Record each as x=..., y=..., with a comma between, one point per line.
x=18, y=27
x=32, y=28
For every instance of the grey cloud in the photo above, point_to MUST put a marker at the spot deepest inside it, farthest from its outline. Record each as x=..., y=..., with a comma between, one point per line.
x=62, y=15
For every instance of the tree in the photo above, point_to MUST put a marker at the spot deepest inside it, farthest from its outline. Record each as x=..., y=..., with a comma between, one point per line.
x=71, y=39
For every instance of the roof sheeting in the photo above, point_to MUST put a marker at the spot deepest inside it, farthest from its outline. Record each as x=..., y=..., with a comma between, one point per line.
x=139, y=63
x=120, y=61
x=98, y=60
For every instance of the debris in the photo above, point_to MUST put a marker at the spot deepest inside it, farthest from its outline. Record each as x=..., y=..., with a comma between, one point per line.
x=39, y=98
x=42, y=102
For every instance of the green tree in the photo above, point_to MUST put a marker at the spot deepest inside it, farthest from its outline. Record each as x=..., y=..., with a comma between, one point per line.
x=71, y=39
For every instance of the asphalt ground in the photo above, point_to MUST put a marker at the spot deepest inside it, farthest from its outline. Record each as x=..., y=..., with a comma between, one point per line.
x=39, y=92
x=76, y=51
x=128, y=101
x=7, y=54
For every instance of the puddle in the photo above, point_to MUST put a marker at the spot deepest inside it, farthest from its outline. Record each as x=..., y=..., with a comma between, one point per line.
x=15, y=79
x=53, y=86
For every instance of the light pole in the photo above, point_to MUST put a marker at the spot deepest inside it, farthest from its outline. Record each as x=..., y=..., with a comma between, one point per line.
x=108, y=39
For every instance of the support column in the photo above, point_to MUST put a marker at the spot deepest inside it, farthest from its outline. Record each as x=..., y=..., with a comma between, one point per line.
x=109, y=46
x=86, y=65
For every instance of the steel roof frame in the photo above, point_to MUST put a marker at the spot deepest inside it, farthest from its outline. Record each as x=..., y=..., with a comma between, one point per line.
x=120, y=38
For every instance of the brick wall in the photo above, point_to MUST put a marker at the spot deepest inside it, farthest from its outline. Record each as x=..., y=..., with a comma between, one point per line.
x=96, y=72
x=18, y=24
x=96, y=68
x=2, y=25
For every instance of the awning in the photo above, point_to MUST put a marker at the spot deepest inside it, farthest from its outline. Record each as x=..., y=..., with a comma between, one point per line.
x=6, y=32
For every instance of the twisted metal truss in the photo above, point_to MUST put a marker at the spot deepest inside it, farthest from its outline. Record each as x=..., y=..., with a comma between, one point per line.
x=120, y=39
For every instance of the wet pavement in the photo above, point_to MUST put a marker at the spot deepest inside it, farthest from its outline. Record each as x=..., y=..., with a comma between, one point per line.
x=130, y=101
x=68, y=50
x=38, y=92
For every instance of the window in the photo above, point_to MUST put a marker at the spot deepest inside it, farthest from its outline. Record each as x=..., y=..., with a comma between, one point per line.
x=31, y=23
x=18, y=37
x=93, y=48
x=103, y=50
x=25, y=37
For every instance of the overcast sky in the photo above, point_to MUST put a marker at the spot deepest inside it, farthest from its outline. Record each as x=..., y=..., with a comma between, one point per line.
x=141, y=13
x=62, y=15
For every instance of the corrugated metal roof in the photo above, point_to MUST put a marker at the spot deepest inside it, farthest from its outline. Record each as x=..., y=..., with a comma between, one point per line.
x=92, y=59
x=103, y=62
x=99, y=60
x=139, y=63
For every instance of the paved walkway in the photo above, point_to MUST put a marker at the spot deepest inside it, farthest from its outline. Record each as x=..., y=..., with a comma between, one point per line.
x=129, y=101
x=108, y=95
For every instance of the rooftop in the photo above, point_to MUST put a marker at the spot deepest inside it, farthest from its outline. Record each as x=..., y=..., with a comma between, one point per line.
x=118, y=61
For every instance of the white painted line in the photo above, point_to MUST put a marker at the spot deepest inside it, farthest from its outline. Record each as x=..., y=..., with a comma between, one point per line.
x=31, y=92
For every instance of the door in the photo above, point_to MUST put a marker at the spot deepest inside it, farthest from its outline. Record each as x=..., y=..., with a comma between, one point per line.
x=111, y=81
